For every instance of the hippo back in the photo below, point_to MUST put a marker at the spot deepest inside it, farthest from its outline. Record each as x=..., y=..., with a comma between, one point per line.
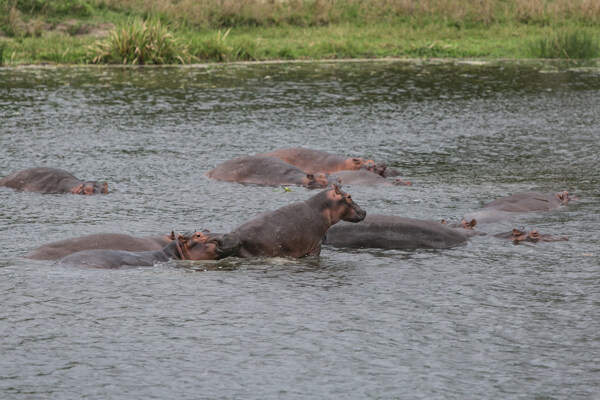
x=393, y=232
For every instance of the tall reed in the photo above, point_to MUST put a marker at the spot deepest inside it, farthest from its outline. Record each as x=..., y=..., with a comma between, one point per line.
x=139, y=42
x=575, y=44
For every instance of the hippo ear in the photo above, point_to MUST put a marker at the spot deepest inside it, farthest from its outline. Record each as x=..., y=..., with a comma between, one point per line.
x=443, y=222
x=472, y=223
x=357, y=161
x=77, y=189
x=336, y=188
x=310, y=177
x=172, y=237
x=105, y=188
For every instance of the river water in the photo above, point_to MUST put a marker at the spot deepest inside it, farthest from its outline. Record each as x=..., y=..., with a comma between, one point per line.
x=487, y=320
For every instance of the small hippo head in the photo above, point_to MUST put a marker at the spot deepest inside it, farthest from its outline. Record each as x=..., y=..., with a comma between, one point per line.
x=317, y=180
x=534, y=236
x=202, y=246
x=342, y=207
x=89, y=188
x=564, y=197
x=356, y=163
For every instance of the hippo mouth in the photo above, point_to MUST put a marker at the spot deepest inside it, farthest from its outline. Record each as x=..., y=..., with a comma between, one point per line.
x=226, y=245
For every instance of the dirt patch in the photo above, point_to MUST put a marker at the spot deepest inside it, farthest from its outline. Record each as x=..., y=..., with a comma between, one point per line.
x=77, y=28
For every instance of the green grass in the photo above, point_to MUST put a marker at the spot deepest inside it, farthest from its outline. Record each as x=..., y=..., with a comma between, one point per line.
x=567, y=44
x=186, y=31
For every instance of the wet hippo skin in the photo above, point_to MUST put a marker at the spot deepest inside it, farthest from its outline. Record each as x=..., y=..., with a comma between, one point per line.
x=393, y=232
x=194, y=246
x=296, y=230
x=265, y=170
x=51, y=180
x=113, y=241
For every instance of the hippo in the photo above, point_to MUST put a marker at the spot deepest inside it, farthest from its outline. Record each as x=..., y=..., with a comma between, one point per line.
x=393, y=232
x=265, y=170
x=318, y=161
x=194, y=246
x=518, y=236
x=504, y=208
x=465, y=227
x=112, y=241
x=296, y=230
x=382, y=169
x=51, y=180
x=366, y=178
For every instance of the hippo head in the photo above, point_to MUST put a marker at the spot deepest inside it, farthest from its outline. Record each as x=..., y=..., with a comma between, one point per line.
x=378, y=168
x=89, y=188
x=564, y=197
x=342, y=207
x=317, y=180
x=534, y=236
x=356, y=163
x=202, y=246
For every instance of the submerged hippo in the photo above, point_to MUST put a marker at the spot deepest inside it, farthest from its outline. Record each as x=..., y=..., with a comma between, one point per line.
x=112, y=241
x=296, y=230
x=366, y=178
x=382, y=169
x=195, y=246
x=392, y=232
x=504, y=207
x=51, y=180
x=264, y=170
x=518, y=236
x=465, y=227
x=318, y=161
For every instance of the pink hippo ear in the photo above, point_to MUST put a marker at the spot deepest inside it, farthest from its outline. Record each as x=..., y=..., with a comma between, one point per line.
x=443, y=222
x=172, y=237
x=357, y=161
x=88, y=190
x=105, y=188
x=472, y=223
x=336, y=188
x=310, y=177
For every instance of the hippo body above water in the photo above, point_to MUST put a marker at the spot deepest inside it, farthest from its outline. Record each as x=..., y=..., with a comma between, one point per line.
x=96, y=241
x=310, y=160
x=264, y=170
x=505, y=208
x=296, y=230
x=195, y=246
x=51, y=180
x=393, y=232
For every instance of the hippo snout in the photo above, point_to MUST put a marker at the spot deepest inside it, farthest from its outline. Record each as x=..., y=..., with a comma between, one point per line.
x=227, y=244
x=357, y=215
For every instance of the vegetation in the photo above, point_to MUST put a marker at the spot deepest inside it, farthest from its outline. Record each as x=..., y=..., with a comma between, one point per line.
x=184, y=31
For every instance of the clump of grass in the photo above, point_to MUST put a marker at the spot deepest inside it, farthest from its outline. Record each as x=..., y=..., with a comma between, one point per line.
x=574, y=44
x=139, y=42
x=3, y=46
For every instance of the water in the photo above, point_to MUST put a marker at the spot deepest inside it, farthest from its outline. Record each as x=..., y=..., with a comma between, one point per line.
x=487, y=320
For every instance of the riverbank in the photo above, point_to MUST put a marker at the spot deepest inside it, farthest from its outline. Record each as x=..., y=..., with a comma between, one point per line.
x=130, y=35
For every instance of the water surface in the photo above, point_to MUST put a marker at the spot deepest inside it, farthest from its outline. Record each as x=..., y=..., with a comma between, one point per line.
x=486, y=320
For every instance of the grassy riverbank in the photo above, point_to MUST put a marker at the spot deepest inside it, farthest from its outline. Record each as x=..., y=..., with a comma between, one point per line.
x=185, y=31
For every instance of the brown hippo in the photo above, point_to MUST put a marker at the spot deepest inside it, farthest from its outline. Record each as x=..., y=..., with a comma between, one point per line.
x=393, y=232
x=505, y=207
x=51, y=180
x=264, y=170
x=518, y=236
x=296, y=230
x=112, y=241
x=318, y=161
x=366, y=178
x=194, y=246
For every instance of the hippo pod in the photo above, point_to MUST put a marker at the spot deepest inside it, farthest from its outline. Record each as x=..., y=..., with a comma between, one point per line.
x=296, y=230
x=504, y=208
x=393, y=232
x=366, y=178
x=193, y=246
x=112, y=241
x=52, y=180
x=518, y=236
x=265, y=170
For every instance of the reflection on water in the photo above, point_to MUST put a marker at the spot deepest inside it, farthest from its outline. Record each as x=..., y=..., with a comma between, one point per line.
x=489, y=319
